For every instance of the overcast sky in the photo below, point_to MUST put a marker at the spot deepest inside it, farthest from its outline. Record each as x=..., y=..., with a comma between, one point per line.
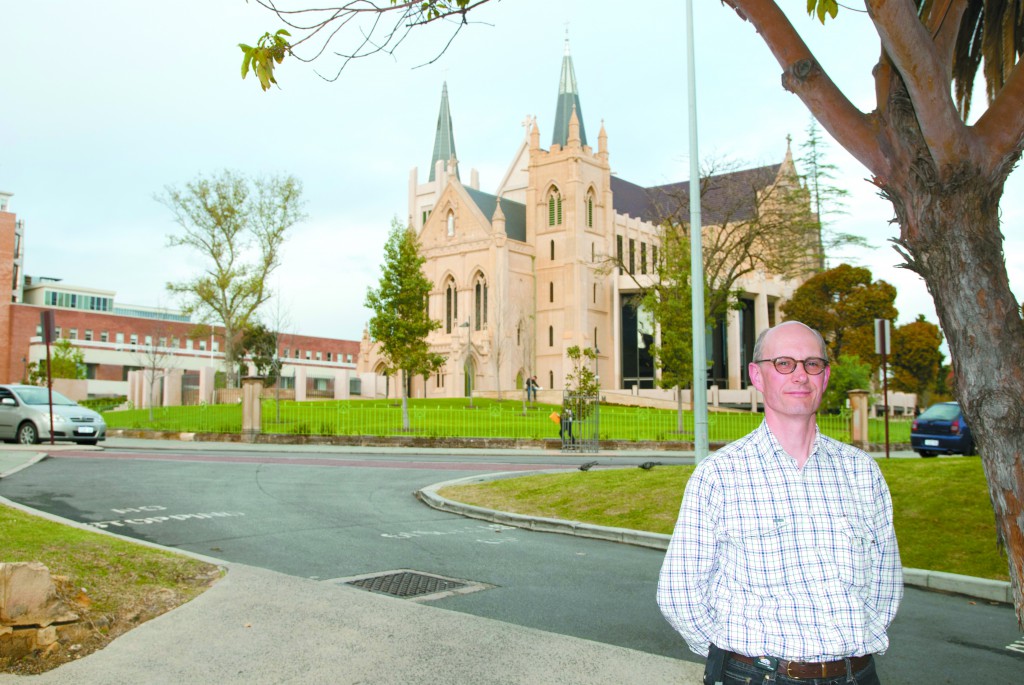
x=103, y=104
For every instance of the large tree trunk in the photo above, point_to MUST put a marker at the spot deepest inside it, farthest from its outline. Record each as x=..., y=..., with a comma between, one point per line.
x=950, y=232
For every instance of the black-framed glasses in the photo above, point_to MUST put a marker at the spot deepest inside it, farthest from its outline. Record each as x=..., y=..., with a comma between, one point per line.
x=787, y=365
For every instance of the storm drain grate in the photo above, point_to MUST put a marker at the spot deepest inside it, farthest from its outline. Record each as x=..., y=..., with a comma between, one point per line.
x=407, y=584
x=414, y=585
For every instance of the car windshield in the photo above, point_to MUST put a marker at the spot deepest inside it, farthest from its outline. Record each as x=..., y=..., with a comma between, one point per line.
x=40, y=396
x=941, y=412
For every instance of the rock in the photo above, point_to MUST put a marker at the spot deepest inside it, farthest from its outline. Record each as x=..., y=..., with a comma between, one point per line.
x=28, y=596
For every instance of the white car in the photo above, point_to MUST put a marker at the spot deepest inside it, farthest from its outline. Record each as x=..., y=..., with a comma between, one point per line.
x=25, y=417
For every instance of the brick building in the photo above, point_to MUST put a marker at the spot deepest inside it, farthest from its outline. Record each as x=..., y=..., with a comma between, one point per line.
x=116, y=339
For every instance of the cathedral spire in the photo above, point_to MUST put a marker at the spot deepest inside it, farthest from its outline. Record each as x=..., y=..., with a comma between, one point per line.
x=444, y=138
x=568, y=101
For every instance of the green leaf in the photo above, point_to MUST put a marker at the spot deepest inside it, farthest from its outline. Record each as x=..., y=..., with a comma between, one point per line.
x=245, y=62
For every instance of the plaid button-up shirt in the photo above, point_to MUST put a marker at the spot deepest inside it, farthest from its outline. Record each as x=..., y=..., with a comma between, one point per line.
x=769, y=559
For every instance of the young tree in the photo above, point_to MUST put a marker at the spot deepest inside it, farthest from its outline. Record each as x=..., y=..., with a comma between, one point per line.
x=400, y=322
x=259, y=344
x=916, y=358
x=66, y=361
x=669, y=300
x=843, y=303
x=237, y=226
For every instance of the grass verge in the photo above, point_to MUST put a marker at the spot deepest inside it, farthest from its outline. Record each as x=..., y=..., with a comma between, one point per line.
x=941, y=507
x=449, y=418
x=113, y=585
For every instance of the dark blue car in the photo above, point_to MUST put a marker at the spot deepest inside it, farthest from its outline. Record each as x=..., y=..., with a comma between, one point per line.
x=941, y=429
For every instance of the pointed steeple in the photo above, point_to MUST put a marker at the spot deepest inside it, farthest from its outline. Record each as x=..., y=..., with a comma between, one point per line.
x=568, y=102
x=444, y=138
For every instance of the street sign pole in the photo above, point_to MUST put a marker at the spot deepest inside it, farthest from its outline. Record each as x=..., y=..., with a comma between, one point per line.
x=882, y=348
x=47, y=323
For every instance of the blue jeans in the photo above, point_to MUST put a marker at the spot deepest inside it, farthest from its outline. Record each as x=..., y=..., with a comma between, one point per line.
x=739, y=673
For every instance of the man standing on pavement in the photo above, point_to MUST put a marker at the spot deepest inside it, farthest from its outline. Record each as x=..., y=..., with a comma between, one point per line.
x=783, y=566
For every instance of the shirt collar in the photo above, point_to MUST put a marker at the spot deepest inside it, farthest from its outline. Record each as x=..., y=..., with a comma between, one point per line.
x=782, y=454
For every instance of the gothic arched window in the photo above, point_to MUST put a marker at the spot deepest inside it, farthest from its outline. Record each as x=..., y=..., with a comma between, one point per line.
x=451, y=305
x=451, y=222
x=554, y=207
x=480, y=302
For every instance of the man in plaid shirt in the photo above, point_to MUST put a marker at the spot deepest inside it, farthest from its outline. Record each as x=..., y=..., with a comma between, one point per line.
x=783, y=566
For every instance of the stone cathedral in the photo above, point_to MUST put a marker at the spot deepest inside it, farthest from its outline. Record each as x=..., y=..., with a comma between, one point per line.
x=524, y=273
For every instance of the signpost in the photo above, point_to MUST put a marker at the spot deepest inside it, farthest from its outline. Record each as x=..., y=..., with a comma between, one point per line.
x=46, y=322
x=882, y=338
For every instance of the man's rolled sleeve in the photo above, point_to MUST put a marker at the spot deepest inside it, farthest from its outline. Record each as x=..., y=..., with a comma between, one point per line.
x=683, y=586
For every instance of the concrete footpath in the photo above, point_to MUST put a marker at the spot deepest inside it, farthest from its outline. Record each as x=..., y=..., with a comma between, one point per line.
x=259, y=626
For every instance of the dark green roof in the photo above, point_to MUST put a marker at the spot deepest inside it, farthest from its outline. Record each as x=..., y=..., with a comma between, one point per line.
x=444, y=138
x=515, y=212
x=568, y=99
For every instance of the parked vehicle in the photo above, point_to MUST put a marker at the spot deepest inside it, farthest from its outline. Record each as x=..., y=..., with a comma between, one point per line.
x=25, y=417
x=941, y=429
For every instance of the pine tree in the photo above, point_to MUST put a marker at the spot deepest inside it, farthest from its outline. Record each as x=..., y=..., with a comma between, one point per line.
x=827, y=199
x=401, y=323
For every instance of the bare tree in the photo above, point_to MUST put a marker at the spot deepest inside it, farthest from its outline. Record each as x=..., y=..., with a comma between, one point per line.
x=156, y=358
x=755, y=220
x=526, y=345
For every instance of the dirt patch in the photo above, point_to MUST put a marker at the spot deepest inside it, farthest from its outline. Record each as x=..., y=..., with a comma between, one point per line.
x=96, y=629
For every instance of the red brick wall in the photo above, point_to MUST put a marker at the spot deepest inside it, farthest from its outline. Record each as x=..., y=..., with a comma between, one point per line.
x=7, y=221
x=24, y=319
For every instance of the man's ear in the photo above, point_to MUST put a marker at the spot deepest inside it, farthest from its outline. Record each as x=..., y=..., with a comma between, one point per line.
x=754, y=371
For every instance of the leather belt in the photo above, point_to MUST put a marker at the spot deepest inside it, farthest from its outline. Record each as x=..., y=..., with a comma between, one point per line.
x=810, y=669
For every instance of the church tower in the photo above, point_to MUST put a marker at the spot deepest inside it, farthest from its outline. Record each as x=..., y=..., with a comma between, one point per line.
x=569, y=218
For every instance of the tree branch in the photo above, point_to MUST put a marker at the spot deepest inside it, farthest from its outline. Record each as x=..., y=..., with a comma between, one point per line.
x=909, y=45
x=1000, y=130
x=803, y=76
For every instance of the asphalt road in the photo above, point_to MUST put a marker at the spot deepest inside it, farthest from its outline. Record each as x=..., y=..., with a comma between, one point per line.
x=333, y=517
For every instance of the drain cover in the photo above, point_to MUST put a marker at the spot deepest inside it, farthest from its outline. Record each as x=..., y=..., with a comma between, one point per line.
x=407, y=584
x=413, y=584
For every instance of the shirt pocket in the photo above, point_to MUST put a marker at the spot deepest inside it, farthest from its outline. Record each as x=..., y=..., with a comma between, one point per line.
x=757, y=551
x=850, y=551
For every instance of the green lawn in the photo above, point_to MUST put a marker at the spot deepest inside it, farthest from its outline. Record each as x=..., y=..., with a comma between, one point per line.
x=943, y=515
x=455, y=418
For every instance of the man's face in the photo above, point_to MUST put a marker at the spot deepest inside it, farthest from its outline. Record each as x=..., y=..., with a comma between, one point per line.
x=795, y=394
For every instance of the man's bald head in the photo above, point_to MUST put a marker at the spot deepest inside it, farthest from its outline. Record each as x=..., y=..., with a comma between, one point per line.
x=762, y=339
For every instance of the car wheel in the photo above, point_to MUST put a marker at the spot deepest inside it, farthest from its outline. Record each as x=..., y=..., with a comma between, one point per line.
x=970, y=451
x=27, y=434
x=926, y=453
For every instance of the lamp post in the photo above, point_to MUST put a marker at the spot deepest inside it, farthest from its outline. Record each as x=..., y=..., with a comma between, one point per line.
x=466, y=366
x=700, y=361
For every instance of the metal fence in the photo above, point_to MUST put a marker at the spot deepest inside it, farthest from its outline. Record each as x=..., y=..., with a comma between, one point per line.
x=580, y=422
x=487, y=419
